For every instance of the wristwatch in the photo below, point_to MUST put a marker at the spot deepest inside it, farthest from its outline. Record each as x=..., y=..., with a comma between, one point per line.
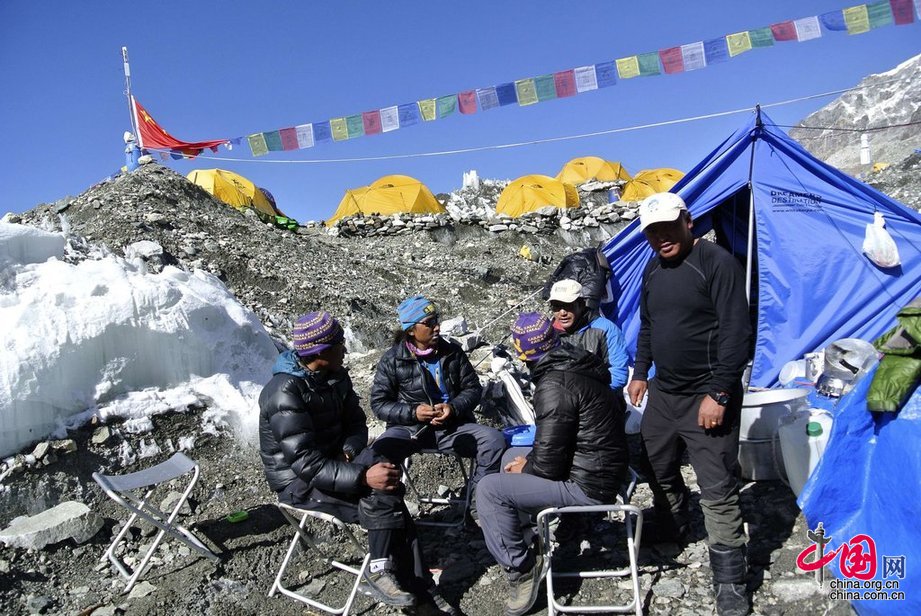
x=721, y=397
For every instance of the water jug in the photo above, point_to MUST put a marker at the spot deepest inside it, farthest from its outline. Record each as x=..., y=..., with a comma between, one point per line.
x=803, y=437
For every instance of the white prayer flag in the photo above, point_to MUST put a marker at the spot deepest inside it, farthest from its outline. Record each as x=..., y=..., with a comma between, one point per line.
x=807, y=28
x=304, y=134
x=693, y=56
x=585, y=78
x=390, y=119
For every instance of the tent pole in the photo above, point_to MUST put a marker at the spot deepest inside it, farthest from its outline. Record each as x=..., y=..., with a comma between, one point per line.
x=127, y=67
x=749, y=258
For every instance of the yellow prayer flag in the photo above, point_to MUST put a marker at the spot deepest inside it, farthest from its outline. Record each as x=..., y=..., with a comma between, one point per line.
x=628, y=67
x=339, y=128
x=526, y=91
x=427, y=109
x=857, y=19
x=740, y=42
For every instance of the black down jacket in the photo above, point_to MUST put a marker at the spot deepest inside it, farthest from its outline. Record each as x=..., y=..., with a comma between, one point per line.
x=402, y=383
x=580, y=423
x=305, y=425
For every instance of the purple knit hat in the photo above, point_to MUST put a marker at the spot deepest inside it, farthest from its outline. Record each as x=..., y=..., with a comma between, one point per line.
x=315, y=332
x=533, y=336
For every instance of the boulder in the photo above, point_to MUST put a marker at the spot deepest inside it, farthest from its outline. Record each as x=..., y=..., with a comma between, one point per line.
x=69, y=520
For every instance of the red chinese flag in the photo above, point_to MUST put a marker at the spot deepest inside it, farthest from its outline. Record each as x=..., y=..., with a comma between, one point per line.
x=785, y=31
x=565, y=83
x=466, y=101
x=151, y=135
x=672, y=60
x=371, y=120
x=288, y=138
x=902, y=12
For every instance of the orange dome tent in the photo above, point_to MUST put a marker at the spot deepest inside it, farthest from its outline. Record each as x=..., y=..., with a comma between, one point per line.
x=390, y=194
x=581, y=170
x=649, y=182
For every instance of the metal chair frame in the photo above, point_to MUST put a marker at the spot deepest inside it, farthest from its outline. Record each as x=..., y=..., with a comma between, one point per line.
x=633, y=522
x=297, y=518
x=429, y=501
x=121, y=488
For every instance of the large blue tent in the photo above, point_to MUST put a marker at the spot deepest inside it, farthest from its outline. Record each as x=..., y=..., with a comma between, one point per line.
x=810, y=282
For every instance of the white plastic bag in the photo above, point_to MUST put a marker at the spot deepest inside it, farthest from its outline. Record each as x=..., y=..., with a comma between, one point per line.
x=878, y=245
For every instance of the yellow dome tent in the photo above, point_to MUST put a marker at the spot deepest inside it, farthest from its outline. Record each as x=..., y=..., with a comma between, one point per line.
x=649, y=182
x=390, y=194
x=581, y=170
x=532, y=192
x=234, y=190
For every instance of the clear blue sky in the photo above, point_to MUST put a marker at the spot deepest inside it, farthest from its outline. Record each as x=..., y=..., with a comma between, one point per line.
x=207, y=70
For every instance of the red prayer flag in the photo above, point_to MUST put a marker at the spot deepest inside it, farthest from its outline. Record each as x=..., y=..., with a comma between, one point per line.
x=288, y=138
x=371, y=120
x=785, y=31
x=672, y=60
x=151, y=135
x=565, y=83
x=466, y=101
x=902, y=12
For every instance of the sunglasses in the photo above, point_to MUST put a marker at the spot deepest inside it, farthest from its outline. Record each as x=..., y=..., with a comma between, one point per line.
x=430, y=322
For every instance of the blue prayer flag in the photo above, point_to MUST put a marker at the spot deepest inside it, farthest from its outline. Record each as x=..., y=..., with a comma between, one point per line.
x=322, y=132
x=506, y=94
x=409, y=114
x=716, y=50
x=833, y=20
x=606, y=74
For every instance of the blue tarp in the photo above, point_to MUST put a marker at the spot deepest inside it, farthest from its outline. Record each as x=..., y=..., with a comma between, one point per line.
x=869, y=482
x=812, y=283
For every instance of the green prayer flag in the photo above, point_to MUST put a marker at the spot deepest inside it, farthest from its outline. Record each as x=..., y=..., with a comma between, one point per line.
x=761, y=37
x=545, y=86
x=648, y=63
x=446, y=105
x=340, y=129
x=257, y=144
x=427, y=109
x=857, y=19
x=628, y=67
x=880, y=14
x=527, y=92
x=273, y=141
x=354, y=126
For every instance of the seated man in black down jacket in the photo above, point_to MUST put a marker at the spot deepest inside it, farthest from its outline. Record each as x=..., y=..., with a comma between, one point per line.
x=579, y=455
x=426, y=390
x=313, y=438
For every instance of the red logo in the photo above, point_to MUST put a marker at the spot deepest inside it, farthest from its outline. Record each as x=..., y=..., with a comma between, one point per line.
x=857, y=557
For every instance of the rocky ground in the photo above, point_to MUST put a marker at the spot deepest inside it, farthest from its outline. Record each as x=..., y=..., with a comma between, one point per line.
x=473, y=273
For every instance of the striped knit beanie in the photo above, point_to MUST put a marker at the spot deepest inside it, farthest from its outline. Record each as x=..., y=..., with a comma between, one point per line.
x=315, y=332
x=533, y=336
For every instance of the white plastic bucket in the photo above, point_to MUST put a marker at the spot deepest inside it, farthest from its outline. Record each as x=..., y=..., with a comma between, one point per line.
x=803, y=438
x=763, y=410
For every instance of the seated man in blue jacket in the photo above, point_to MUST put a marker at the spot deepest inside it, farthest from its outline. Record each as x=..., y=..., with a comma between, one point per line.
x=313, y=437
x=579, y=455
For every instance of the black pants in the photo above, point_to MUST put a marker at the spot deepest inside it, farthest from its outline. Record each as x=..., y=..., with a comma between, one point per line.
x=391, y=531
x=669, y=428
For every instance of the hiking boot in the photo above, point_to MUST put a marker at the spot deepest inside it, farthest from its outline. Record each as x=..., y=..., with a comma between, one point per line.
x=384, y=588
x=524, y=588
x=655, y=531
x=731, y=600
x=431, y=603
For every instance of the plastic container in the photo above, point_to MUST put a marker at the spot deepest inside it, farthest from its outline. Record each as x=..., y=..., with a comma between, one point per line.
x=803, y=438
x=762, y=411
x=757, y=462
x=520, y=436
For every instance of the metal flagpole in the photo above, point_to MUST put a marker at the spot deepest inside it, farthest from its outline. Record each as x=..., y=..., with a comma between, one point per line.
x=127, y=67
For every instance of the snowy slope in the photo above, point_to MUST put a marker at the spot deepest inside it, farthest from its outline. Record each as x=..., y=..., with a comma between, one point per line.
x=99, y=335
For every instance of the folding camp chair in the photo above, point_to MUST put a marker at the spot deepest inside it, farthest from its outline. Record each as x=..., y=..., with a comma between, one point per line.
x=297, y=518
x=120, y=488
x=633, y=522
x=429, y=501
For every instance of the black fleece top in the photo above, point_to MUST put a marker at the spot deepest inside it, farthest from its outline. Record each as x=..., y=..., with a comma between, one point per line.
x=694, y=322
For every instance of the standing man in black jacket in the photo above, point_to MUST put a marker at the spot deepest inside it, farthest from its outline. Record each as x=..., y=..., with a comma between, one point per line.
x=695, y=328
x=579, y=455
x=313, y=437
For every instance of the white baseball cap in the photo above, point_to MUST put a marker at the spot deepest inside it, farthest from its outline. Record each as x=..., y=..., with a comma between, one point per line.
x=661, y=207
x=566, y=291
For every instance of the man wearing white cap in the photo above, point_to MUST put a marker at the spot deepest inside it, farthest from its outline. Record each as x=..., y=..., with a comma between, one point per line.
x=695, y=328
